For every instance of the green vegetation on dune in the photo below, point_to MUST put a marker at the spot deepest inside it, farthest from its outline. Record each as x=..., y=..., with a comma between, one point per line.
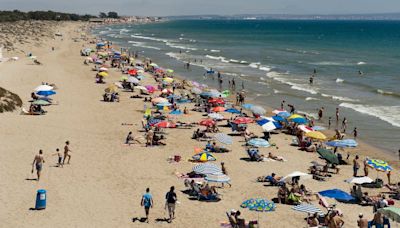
x=9, y=101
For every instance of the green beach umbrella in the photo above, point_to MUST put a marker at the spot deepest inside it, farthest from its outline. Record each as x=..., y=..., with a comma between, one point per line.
x=328, y=155
x=41, y=102
x=391, y=212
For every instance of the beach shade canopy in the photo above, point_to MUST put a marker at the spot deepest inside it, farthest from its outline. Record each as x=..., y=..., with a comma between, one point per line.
x=247, y=106
x=216, y=101
x=103, y=69
x=258, y=142
x=316, y=135
x=223, y=138
x=305, y=128
x=133, y=80
x=111, y=89
x=218, y=109
x=359, y=180
x=196, y=90
x=204, y=157
x=258, y=110
x=207, y=168
x=258, y=204
x=337, y=194
x=43, y=88
x=150, y=88
x=232, y=110
x=303, y=176
x=165, y=124
x=207, y=122
x=103, y=74
x=299, y=120
x=342, y=143
x=391, y=212
x=318, y=128
x=243, y=120
x=221, y=178
x=41, y=102
x=279, y=118
x=46, y=93
x=176, y=112
x=328, y=156
x=379, y=165
x=308, y=208
x=216, y=116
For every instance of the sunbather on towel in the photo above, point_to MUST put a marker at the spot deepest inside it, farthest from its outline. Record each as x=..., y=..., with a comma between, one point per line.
x=274, y=157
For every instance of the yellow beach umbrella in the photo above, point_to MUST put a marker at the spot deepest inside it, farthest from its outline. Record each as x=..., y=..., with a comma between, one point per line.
x=124, y=78
x=168, y=80
x=295, y=116
x=111, y=89
x=103, y=74
x=316, y=135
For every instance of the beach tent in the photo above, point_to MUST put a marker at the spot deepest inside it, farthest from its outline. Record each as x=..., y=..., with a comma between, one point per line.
x=301, y=175
x=259, y=204
x=207, y=168
x=223, y=138
x=328, y=155
x=337, y=194
x=221, y=178
x=258, y=142
x=359, y=180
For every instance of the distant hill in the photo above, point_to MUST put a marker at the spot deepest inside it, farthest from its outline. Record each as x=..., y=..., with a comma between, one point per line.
x=9, y=101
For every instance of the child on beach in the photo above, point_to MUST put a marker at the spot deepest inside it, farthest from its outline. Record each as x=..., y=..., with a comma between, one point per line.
x=60, y=158
x=355, y=133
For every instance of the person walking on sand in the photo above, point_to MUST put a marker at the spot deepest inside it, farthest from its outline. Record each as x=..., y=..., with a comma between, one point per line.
x=38, y=164
x=282, y=104
x=356, y=166
x=147, y=203
x=60, y=158
x=388, y=177
x=329, y=122
x=170, y=203
x=362, y=222
x=67, y=153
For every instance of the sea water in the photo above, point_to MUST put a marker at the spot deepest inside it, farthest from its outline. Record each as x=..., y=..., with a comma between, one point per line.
x=357, y=64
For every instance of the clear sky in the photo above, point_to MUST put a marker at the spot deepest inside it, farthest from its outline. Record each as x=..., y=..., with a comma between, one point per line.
x=221, y=7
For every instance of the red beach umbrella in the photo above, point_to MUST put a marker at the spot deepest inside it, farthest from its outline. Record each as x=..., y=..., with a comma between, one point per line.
x=243, y=120
x=165, y=124
x=207, y=122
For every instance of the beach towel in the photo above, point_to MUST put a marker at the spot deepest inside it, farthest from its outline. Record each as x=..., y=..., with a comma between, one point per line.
x=308, y=208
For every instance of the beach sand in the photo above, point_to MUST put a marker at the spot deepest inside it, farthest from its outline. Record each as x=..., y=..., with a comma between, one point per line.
x=102, y=186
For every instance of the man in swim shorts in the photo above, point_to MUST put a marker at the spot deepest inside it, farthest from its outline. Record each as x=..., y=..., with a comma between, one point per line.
x=38, y=163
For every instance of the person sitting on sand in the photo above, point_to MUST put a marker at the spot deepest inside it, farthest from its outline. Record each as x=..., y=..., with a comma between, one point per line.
x=248, y=135
x=105, y=97
x=130, y=139
x=283, y=193
x=274, y=157
x=34, y=96
x=313, y=220
x=273, y=179
x=186, y=111
x=254, y=155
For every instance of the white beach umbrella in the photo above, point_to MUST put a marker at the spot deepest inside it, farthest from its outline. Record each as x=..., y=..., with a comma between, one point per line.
x=44, y=88
x=133, y=80
x=302, y=176
x=359, y=180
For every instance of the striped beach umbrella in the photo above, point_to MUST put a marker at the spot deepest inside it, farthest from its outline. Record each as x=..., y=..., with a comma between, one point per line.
x=223, y=138
x=307, y=208
x=204, y=157
x=217, y=178
x=379, y=165
x=207, y=168
x=342, y=143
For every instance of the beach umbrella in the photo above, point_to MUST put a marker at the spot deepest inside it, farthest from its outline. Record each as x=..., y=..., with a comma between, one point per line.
x=218, y=109
x=165, y=124
x=153, y=121
x=278, y=118
x=170, y=71
x=283, y=114
x=243, y=120
x=226, y=93
x=168, y=80
x=221, y=178
x=299, y=120
x=103, y=74
x=174, y=96
x=150, y=88
x=141, y=88
x=318, y=128
x=391, y=212
x=124, y=78
x=258, y=110
x=153, y=65
x=270, y=126
x=40, y=102
x=258, y=142
x=43, y=88
x=359, y=180
x=247, y=106
x=307, y=208
x=258, y=204
x=111, y=89
x=132, y=72
x=99, y=61
x=316, y=135
x=204, y=157
x=342, y=143
x=328, y=155
x=216, y=116
x=207, y=122
x=223, y=138
x=379, y=165
x=305, y=128
x=337, y=194
x=232, y=110
x=103, y=69
x=293, y=116
x=196, y=90
x=216, y=101
x=301, y=175
x=207, y=168
x=100, y=44
x=163, y=104
x=133, y=80
x=277, y=111
x=46, y=93
x=176, y=112
x=208, y=94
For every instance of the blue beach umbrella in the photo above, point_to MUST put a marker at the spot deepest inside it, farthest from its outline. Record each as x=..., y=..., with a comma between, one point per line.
x=259, y=204
x=176, y=112
x=283, y=114
x=204, y=157
x=299, y=120
x=318, y=128
x=232, y=110
x=247, y=106
x=342, y=143
x=153, y=121
x=258, y=142
x=279, y=118
x=379, y=165
x=46, y=93
x=337, y=194
x=100, y=44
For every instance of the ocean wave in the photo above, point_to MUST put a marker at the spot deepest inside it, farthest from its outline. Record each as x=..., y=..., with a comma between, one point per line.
x=311, y=99
x=339, y=80
x=173, y=55
x=273, y=74
x=254, y=65
x=149, y=38
x=277, y=91
x=389, y=114
x=387, y=93
x=214, y=50
x=243, y=62
x=302, y=51
x=143, y=45
x=174, y=45
x=262, y=78
x=264, y=68
x=230, y=74
x=262, y=83
x=339, y=98
x=221, y=58
x=313, y=115
x=234, y=61
x=361, y=63
x=329, y=63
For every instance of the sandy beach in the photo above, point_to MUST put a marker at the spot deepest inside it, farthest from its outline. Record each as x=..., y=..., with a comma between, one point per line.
x=103, y=185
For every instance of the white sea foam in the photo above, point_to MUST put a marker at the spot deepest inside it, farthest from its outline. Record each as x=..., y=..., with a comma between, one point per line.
x=262, y=83
x=361, y=63
x=329, y=63
x=174, y=45
x=311, y=99
x=221, y=58
x=243, y=62
x=264, y=68
x=234, y=61
x=230, y=74
x=213, y=50
x=254, y=65
x=262, y=78
x=339, y=80
x=390, y=114
x=339, y=98
x=277, y=91
x=143, y=45
x=149, y=38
